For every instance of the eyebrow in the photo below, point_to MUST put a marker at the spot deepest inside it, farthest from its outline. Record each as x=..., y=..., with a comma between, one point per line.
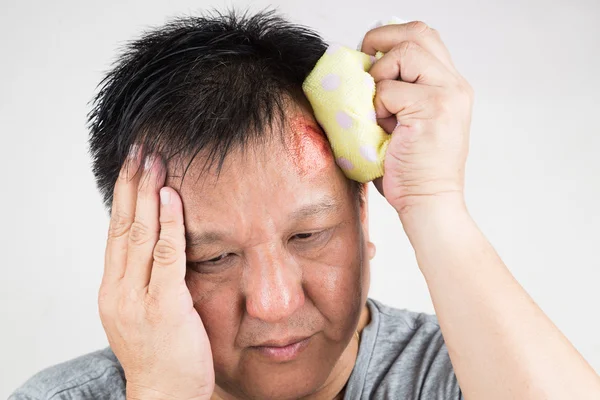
x=326, y=206
x=199, y=239
x=322, y=208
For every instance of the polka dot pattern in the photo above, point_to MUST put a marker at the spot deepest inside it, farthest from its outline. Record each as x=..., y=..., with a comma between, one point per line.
x=344, y=163
x=369, y=153
x=341, y=93
x=343, y=119
x=372, y=115
x=331, y=82
x=369, y=82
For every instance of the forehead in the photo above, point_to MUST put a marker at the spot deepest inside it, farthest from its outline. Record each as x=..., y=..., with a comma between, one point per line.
x=308, y=148
x=273, y=177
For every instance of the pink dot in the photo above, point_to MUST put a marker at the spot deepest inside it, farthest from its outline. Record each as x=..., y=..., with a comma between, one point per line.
x=373, y=59
x=361, y=63
x=330, y=82
x=333, y=47
x=369, y=153
x=372, y=115
x=369, y=81
x=343, y=119
x=344, y=163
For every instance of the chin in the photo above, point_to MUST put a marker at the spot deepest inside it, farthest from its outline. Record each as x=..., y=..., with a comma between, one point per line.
x=260, y=378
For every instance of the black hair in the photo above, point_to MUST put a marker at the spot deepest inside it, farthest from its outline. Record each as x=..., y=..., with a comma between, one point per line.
x=198, y=83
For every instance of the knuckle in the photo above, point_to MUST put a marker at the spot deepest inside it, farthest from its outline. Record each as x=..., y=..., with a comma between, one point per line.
x=119, y=225
x=382, y=90
x=140, y=233
x=463, y=93
x=368, y=37
x=441, y=103
x=104, y=308
x=382, y=85
x=404, y=48
x=418, y=27
x=165, y=252
x=103, y=294
x=153, y=307
x=126, y=305
x=468, y=90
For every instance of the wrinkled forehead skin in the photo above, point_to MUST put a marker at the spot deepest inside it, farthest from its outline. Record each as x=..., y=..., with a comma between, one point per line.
x=303, y=161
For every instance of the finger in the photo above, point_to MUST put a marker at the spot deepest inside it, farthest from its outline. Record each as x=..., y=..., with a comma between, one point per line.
x=121, y=218
x=143, y=233
x=406, y=101
x=378, y=183
x=168, y=270
x=410, y=62
x=386, y=37
x=388, y=123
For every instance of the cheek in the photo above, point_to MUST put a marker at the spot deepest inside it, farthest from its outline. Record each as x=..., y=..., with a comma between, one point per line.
x=217, y=301
x=335, y=284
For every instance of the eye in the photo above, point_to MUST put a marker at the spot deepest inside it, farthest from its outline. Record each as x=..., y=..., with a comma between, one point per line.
x=311, y=244
x=212, y=262
x=311, y=237
x=304, y=236
x=213, y=265
x=215, y=260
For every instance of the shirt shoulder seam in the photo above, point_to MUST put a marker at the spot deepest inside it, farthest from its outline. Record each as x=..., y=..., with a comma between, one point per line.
x=86, y=382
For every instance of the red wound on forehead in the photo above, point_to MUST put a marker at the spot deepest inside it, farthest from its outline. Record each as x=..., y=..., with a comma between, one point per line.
x=310, y=149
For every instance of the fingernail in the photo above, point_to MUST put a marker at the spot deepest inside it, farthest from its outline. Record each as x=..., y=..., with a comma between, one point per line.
x=165, y=196
x=149, y=161
x=133, y=151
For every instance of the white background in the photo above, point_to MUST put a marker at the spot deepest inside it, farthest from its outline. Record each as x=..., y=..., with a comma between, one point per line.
x=533, y=177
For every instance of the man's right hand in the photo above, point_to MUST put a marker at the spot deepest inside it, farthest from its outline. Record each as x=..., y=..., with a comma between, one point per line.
x=145, y=306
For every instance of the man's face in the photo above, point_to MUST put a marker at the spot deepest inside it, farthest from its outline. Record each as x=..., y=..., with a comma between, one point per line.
x=276, y=254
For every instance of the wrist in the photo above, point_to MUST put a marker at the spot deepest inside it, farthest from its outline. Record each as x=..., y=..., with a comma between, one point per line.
x=440, y=216
x=416, y=209
x=140, y=392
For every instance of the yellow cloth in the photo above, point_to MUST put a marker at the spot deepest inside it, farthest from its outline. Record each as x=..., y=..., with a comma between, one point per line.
x=341, y=92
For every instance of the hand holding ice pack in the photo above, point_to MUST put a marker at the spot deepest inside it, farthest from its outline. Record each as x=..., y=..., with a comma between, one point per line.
x=341, y=92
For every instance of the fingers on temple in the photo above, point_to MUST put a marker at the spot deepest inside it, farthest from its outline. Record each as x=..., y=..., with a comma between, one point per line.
x=122, y=216
x=144, y=231
x=410, y=62
x=386, y=37
x=169, y=268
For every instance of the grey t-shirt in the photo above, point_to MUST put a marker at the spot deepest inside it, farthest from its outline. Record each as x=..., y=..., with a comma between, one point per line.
x=402, y=355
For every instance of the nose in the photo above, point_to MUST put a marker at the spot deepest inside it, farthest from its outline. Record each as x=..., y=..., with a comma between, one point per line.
x=273, y=284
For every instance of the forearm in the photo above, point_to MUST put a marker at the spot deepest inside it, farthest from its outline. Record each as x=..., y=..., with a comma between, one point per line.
x=500, y=342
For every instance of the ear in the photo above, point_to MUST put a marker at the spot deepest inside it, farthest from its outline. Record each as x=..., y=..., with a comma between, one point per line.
x=364, y=206
x=364, y=219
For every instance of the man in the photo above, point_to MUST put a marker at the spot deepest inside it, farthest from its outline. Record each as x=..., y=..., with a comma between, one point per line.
x=249, y=279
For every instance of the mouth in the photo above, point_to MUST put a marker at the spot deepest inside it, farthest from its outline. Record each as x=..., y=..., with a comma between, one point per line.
x=283, y=350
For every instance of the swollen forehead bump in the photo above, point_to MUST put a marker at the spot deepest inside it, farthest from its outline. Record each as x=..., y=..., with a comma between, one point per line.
x=310, y=151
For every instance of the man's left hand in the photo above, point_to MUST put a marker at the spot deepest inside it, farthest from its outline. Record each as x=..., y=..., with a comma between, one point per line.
x=419, y=89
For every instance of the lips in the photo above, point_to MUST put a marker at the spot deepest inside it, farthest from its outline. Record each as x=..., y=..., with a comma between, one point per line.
x=283, y=350
x=283, y=342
